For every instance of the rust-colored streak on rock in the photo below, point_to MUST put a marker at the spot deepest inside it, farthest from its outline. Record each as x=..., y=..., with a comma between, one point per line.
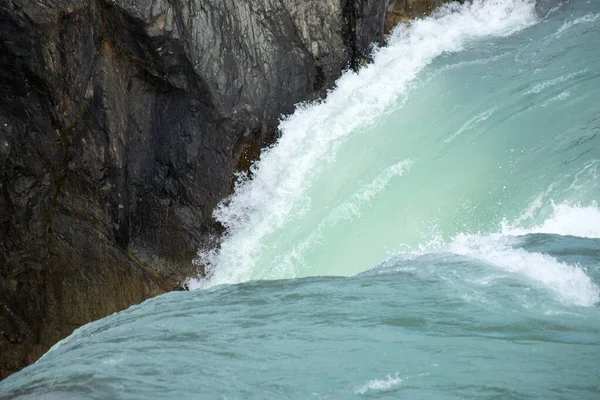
x=399, y=11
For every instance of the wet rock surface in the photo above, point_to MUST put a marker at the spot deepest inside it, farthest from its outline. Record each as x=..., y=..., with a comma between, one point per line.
x=121, y=125
x=403, y=10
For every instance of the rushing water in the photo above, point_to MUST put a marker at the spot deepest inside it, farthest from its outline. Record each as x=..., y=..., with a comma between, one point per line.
x=440, y=208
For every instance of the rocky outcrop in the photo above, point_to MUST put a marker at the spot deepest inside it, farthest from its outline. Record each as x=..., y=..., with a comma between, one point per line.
x=121, y=124
x=403, y=10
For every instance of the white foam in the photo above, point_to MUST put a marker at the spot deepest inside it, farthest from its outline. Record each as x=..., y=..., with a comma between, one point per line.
x=566, y=220
x=537, y=88
x=472, y=123
x=568, y=282
x=586, y=19
x=369, y=191
x=586, y=179
x=276, y=195
x=559, y=97
x=379, y=385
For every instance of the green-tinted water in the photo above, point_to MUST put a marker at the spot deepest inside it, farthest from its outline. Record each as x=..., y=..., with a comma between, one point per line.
x=459, y=124
x=440, y=205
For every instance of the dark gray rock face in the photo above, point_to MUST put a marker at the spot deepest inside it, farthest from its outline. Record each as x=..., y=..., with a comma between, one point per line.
x=121, y=124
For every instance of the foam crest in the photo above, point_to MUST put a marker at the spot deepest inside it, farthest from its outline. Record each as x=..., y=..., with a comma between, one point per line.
x=568, y=282
x=537, y=88
x=379, y=385
x=566, y=220
x=277, y=194
x=586, y=19
x=472, y=123
x=369, y=191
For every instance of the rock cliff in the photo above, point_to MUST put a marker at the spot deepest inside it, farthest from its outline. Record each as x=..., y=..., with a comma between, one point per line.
x=121, y=124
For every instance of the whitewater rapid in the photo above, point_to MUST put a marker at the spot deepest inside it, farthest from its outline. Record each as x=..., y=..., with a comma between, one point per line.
x=277, y=196
x=276, y=220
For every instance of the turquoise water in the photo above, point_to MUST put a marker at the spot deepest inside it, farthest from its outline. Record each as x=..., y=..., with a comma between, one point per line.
x=430, y=231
